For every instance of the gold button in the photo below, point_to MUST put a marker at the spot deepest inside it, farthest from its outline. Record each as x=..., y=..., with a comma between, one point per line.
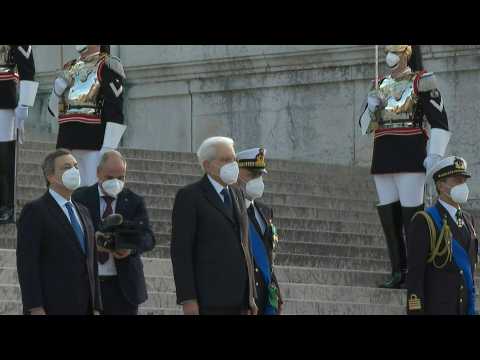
x=256, y=269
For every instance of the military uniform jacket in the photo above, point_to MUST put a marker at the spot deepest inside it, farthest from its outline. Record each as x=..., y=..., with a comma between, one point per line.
x=16, y=63
x=440, y=291
x=403, y=149
x=270, y=243
x=93, y=98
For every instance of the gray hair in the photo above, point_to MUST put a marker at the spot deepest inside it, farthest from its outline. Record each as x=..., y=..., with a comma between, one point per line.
x=48, y=164
x=208, y=149
x=107, y=155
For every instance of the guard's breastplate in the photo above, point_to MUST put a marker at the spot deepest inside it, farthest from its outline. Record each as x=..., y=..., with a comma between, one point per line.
x=6, y=64
x=83, y=95
x=399, y=97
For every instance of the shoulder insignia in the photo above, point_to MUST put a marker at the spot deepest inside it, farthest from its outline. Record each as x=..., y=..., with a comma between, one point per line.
x=115, y=65
x=414, y=303
x=427, y=82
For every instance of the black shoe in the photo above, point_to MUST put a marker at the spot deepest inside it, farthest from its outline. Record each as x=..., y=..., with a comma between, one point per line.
x=397, y=281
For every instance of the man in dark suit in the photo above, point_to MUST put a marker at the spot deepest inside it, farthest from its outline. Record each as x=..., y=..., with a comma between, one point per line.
x=121, y=272
x=56, y=253
x=442, y=247
x=212, y=264
x=262, y=233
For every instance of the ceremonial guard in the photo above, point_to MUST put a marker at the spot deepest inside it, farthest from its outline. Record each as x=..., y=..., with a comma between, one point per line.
x=397, y=112
x=87, y=100
x=17, y=94
x=443, y=247
x=262, y=233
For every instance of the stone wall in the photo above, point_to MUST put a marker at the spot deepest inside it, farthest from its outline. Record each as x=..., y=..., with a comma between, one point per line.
x=301, y=102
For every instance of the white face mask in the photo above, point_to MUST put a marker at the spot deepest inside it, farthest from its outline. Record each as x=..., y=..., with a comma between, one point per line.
x=254, y=188
x=71, y=179
x=81, y=48
x=229, y=173
x=459, y=193
x=392, y=60
x=113, y=187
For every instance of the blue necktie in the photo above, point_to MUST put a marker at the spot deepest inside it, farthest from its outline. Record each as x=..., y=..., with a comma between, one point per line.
x=76, y=226
x=226, y=198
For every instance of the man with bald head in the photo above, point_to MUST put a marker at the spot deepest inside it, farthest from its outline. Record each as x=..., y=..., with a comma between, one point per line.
x=122, y=281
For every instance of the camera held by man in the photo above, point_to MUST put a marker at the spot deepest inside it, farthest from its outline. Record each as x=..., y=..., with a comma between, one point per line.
x=116, y=233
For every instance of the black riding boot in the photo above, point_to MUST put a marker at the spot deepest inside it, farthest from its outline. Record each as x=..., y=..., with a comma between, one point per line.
x=7, y=182
x=391, y=219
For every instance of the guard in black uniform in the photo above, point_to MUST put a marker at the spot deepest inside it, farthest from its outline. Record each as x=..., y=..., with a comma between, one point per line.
x=262, y=233
x=87, y=100
x=17, y=94
x=443, y=248
x=397, y=111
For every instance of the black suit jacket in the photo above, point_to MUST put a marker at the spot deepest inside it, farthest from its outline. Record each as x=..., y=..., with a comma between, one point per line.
x=132, y=207
x=262, y=290
x=210, y=250
x=53, y=271
x=441, y=291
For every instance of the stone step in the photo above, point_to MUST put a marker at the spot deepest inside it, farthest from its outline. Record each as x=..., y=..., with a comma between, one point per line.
x=332, y=262
x=291, y=307
x=8, y=238
x=27, y=194
x=273, y=182
x=273, y=164
x=157, y=183
x=340, y=308
x=163, y=226
x=340, y=174
x=292, y=292
x=333, y=250
x=280, y=189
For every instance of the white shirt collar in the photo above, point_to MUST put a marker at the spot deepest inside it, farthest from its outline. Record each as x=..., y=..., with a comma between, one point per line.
x=248, y=202
x=61, y=201
x=218, y=187
x=451, y=209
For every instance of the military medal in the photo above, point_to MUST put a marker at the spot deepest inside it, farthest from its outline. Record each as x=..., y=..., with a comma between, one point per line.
x=459, y=218
x=274, y=233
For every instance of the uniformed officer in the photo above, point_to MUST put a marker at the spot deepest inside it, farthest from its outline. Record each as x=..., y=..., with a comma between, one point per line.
x=17, y=94
x=395, y=111
x=87, y=100
x=262, y=233
x=443, y=247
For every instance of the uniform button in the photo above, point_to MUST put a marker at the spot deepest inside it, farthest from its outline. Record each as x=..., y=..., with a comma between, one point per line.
x=461, y=287
x=461, y=272
x=256, y=269
x=256, y=284
x=461, y=300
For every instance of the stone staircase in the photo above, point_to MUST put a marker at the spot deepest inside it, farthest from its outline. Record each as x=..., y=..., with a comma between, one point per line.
x=331, y=251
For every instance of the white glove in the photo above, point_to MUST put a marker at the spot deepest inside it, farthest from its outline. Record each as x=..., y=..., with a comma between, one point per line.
x=373, y=102
x=59, y=86
x=21, y=114
x=431, y=160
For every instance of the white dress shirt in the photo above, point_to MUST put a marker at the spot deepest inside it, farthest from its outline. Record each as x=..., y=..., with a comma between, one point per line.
x=258, y=216
x=61, y=201
x=108, y=268
x=218, y=187
x=452, y=210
